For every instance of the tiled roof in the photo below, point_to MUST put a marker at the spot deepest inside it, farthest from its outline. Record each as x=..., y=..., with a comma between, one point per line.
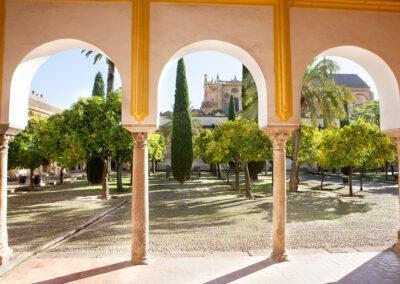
x=350, y=80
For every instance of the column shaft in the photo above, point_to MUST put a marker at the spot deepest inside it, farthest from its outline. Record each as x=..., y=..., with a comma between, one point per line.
x=279, y=136
x=140, y=200
x=397, y=141
x=5, y=251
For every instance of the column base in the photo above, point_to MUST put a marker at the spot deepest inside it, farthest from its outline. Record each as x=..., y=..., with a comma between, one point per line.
x=396, y=247
x=279, y=256
x=140, y=261
x=5, y=256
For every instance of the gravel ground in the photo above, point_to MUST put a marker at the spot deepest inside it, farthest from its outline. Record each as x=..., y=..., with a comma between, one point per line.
x=35, y=218
x=205, y=216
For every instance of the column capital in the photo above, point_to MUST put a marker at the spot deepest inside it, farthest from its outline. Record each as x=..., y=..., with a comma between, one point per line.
x=140, y=139
x=5, y=139
x=280, y=134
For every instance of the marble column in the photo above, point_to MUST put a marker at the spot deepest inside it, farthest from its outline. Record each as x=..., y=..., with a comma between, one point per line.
x=397, y=142
x=279, y=136
x=140, y=200
x=5, y=250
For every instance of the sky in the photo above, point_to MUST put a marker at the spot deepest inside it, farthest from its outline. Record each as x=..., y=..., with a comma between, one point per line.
x=68, y=75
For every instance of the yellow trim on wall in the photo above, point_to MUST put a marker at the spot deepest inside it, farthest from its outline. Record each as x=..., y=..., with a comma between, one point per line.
x=360, y=5
x=2, y=29
x=140, y=73
x=283, y=64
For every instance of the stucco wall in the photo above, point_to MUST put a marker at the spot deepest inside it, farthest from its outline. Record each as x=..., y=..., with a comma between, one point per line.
x=32, y=24
x=175, y=26
x=314, y=31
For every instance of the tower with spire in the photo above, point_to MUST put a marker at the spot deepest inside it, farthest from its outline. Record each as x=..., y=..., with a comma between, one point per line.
x=217, y=93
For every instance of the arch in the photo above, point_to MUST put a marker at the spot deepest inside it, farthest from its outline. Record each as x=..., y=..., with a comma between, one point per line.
x=16, y=114
x=383, y=77
x=235, y=51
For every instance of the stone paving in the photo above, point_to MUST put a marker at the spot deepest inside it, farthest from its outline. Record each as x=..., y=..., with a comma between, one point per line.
x=360, y=267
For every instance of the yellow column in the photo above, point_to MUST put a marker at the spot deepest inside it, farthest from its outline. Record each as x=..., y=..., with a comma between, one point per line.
x=279, y=136
x=140, y=200
x=283, y=65
x=140, y=59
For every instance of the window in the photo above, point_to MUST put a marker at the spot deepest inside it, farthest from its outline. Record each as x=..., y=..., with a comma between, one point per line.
x=235, y=90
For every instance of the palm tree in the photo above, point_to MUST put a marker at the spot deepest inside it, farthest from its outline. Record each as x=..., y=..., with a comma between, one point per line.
x=111, y=68
x=321, y=98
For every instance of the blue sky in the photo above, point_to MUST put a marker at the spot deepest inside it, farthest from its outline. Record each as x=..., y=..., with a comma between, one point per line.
x=68, y=75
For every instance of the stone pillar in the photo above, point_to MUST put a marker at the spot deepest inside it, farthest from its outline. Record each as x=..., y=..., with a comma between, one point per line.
x=397, y=142
x=279, y=136
x=5, y=251
x=140, y=200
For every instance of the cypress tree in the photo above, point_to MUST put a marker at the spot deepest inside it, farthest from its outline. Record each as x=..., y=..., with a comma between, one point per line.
x=182, y=140
x=98, y=86
x=231, y=109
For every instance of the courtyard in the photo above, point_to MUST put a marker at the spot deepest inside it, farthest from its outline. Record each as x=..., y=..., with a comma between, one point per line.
x=204, y=221
x=205, y=217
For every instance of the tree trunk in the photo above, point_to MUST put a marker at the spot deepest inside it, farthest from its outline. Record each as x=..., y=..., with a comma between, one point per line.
x=248, y=192
x=294, y=173
x=350, y=181
x=361, y=180
x=392, y=169
x=119, y=176
x=62, y=176
x=237, y=172
x=266, y=168
x=110, y=76
x=322, y=178
x=109, y=167
x=153, y=166
x=31, y=181
x=386, y=171
x=105, y=193
x=219, y=171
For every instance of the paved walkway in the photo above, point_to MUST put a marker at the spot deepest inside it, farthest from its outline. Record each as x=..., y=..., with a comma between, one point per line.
x=360, y=267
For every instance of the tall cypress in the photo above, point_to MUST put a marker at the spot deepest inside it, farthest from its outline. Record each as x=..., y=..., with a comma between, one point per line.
x=98, y=86
x=231, y=109
x=182, y=140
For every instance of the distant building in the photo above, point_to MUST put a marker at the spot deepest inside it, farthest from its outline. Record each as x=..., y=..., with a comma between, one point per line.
x=217, y=94
x=39, y=106
x=360, y=90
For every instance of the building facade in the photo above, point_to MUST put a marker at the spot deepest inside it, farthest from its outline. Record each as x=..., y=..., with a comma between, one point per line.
x=217, y=94
x=38, y=106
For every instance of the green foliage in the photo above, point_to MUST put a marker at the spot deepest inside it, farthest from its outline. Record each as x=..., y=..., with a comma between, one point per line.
x=358, y=145
x=204, y=148
x=94, y=170
x=369, y=112
x=157, y=147
x=182, y=139
x=241, y=139
x=59, y=141
x=308, y=141
x=321, y=97
x=231, y=109
x=249, y=96
x=98, y=86
x=25, y=150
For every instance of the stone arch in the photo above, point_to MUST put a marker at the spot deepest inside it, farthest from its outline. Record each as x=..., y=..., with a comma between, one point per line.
x=15, y=102
x=238, y=53
x=383, y=76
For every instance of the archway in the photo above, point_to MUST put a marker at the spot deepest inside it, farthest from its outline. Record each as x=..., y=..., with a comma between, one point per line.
x=17, y=112
x=236, y=52
x=384, y=78
x=18, y=106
